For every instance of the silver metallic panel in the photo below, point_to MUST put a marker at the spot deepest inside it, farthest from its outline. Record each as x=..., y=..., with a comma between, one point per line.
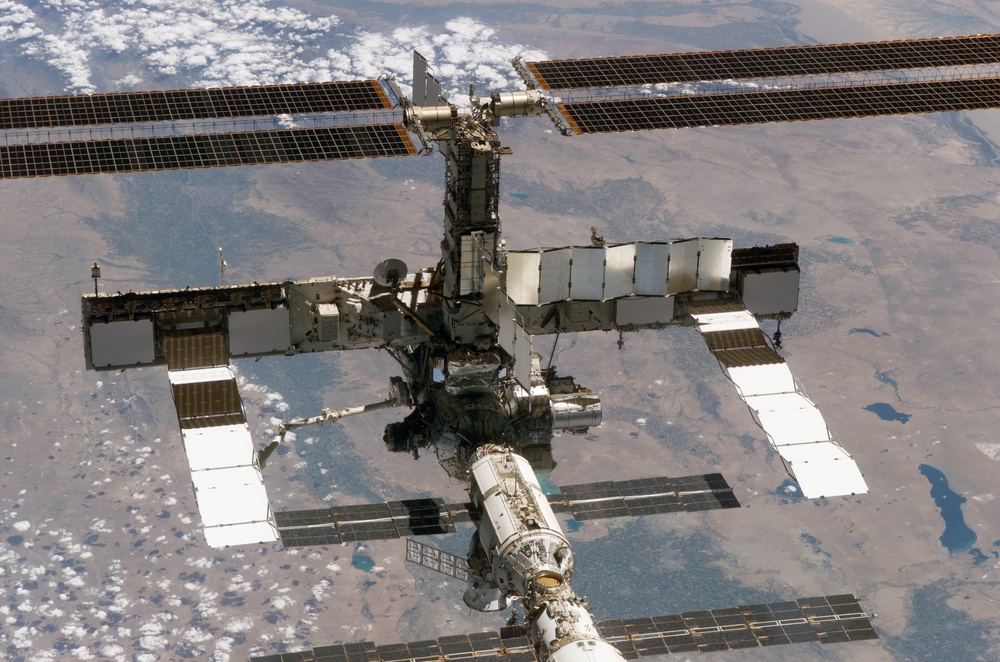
x=619, y=271
x=683, y=266
x=436, y=559
x=508, y=326
x=522, y=276
x=587, y=279
x=770, y=291
x=471, y=265
x=555, y=275
x=651, y=260
x=259, y=332
x=644, y=310
x=491, y=293
x=121, y=344
x=714, y=264
x=522, y=358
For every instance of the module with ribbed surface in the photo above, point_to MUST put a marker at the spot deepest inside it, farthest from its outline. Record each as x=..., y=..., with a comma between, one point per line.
x=766, y=62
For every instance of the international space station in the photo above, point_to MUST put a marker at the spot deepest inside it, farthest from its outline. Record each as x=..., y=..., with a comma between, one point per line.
x=462, y=330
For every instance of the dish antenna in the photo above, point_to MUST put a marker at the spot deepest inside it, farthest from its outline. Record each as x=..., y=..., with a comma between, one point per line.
x=390, y=273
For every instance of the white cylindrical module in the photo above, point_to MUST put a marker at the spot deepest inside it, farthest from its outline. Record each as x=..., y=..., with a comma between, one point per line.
x=524, y=103
x=434, y=118
x=587, y=650
x=564, y=631
x=518, y=530
x=576, y=410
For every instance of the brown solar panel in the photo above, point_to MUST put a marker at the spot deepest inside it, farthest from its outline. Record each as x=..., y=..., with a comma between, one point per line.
x=766, y=62
x=207, y=399
x=195, y=350
x=203, y=150
x=782, y=105
x=174, y=105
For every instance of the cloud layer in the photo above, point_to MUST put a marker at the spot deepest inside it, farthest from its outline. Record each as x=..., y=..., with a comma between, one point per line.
x=242, y=42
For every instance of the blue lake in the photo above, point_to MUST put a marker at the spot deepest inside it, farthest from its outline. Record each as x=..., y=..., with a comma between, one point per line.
x=789, y=490
x=957, y=536
x=868, y=331
x=887, y=412
x=839, y=240
x=363, y=562
x=519, y=196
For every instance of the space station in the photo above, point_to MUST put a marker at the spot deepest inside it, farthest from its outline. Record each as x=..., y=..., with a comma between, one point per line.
x=474, y=389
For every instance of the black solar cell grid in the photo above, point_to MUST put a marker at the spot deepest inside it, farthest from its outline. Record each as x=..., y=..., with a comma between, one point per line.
x=203, y=150
x=655, y=646
x=641, y=486
x=862, y=631
x=176, y=105
x=590, y=510
x=484, y=641
x=786, y=609
x=393, y=652
x=653, y=506
x=729, y=616
x=512, y=632
x=782, y=105
x=589, y=491
x=377, y=530
x=428, y=527
x=520, y=655
x=698, y=619
x=639, y=626
x=835, y=637
x=700, y=502
x=290, y=518
x=772, y=638
x=800, y=634
x=680, y=643
x=298, y=656
x=455, y=644
x=334, y=653
x=741, y=639
x=415, y=507
x=364, y=511
x=766, y=62
x=424, y=649
x=690, y=483
x=304, y=537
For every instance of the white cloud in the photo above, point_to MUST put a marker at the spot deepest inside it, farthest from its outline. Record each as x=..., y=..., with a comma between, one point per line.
x=245, y=42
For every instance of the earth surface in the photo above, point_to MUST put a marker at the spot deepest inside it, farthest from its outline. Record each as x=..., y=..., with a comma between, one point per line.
x=101, y=555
